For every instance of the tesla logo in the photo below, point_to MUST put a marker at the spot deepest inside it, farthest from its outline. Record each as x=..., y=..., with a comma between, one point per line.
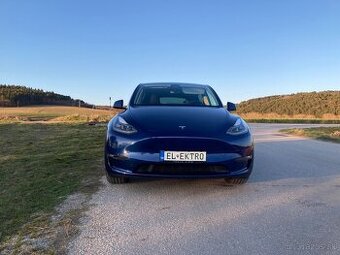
x=182, y=127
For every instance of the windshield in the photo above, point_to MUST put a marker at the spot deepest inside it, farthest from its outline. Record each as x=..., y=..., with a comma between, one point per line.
x=176, y=95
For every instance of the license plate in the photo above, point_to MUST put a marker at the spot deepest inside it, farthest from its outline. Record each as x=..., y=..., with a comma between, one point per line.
x=183, y=156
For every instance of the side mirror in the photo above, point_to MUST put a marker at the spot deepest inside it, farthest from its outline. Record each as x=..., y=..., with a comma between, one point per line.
x=231, y=107
x=119, y=104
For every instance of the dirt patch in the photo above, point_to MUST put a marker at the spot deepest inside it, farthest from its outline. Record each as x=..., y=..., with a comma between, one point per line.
x=49, y=234
x=336, y=134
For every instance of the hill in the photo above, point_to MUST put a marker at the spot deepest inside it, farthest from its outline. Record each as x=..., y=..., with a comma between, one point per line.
x=13, y=95
x=316, y=104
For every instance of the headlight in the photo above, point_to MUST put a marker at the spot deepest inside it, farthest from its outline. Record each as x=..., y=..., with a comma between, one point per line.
x=239, y=128
x=121, y=126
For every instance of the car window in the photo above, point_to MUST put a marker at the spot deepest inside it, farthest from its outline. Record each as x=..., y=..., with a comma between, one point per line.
x=212, y=98
x=172, y=100
x=176, y=95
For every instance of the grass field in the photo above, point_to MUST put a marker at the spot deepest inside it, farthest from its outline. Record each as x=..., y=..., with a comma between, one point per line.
x=41, y=164
x=292, y=121
x=298, y=118
x=321, y=133
x=76, y=114
x=55, y=114
x=46, y=154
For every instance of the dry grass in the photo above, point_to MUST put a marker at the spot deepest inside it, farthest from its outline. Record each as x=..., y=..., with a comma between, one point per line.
x=76, y=114
x=51, y=110
x=55, y=114
x=320, y=133
x=256, y=115
x=296, y=118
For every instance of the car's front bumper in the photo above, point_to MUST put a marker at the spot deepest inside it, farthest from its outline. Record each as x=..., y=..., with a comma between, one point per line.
x=141, y=157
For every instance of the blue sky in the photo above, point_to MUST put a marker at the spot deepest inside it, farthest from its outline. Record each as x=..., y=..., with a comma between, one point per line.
x=96, y=49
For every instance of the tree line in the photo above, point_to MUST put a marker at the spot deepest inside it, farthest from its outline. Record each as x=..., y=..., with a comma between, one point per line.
x=312, y=103
x=14, y=95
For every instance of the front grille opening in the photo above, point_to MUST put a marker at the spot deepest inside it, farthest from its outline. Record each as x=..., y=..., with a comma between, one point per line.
x=182, y=169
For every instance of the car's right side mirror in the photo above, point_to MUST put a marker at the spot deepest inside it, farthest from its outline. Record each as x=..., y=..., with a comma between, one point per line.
x=119, y=104
x=231, y=107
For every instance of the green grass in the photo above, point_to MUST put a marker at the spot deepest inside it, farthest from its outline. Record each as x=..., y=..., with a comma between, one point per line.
x=321, y=133
x=298, y=121
x=41, y=164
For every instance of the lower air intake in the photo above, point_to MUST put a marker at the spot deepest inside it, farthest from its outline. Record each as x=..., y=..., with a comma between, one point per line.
x=182, y=169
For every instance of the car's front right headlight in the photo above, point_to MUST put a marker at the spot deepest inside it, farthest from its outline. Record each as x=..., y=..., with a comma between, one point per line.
x=121, y=126
x=239, y=128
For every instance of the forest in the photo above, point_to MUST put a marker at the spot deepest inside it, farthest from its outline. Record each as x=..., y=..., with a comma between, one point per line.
x=14, y=95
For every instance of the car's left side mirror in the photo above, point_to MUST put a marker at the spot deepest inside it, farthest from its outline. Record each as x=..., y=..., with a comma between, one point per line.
x=231, y=107
x=119, y=104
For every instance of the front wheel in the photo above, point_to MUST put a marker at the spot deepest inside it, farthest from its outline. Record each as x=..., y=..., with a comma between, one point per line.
x=116, y=179
x=237, y=181
x=112, y=178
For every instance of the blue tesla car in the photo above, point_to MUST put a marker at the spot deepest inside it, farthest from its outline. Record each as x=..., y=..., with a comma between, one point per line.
x=177, y=130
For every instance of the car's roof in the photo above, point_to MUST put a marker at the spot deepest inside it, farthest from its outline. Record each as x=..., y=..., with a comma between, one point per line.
x=172, y=83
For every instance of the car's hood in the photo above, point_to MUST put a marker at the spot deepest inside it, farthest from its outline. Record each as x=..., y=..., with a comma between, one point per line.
x=180, y=120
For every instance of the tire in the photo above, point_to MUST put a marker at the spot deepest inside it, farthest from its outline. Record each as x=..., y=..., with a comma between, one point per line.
x=111, y=178
x=236, y=181
x=116, y=179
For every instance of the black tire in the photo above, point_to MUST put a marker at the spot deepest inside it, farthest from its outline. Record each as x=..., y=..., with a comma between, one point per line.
x=116, y=179
x=236, y=181
x=111, y=178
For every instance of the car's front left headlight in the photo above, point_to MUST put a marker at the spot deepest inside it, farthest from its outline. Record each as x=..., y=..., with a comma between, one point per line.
x=239, y=128
x=121, y=126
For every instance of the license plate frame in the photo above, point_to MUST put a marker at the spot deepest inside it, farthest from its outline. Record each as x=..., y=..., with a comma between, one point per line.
x=183, y=156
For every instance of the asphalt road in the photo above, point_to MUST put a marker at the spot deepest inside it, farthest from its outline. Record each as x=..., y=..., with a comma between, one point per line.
x=291, y=205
